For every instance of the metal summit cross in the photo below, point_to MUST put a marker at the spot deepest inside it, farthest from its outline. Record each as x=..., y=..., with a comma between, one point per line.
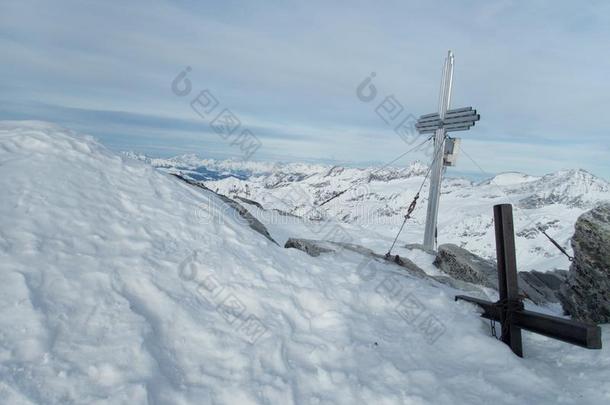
x=509, y=309
x=440, y=123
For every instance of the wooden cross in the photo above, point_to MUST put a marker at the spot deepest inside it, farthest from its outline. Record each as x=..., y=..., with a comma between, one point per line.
x=509, y=309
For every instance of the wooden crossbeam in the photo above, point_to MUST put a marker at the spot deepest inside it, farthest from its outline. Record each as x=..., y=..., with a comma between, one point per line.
x=509, y=309
x=577, y=333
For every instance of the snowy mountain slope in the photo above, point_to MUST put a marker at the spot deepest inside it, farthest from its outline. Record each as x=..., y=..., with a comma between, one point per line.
x=574, y=188
x=510, y=178
x=378, y=199
x=120, y=284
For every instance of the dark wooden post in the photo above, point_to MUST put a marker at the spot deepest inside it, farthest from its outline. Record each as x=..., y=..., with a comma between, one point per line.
x=509, y=309
x=507, y=275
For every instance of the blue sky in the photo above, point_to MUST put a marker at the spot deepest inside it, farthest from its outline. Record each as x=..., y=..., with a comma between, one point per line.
x=536, y=71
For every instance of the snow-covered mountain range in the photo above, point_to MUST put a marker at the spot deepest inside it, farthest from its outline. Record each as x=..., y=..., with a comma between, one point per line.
x=377, y=199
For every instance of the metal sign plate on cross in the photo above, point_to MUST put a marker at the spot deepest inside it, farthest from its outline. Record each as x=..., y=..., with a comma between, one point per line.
x=509, y=309
x=461, y=119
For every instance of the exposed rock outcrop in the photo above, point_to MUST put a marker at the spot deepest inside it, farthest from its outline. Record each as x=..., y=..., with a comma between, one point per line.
x=459, y=263
x=463, y=265
x=586, y=293
x=249, y=218
x=316, y=247
x=249, y=201
x=541, y=287
x=240, y=209
x=309, y=246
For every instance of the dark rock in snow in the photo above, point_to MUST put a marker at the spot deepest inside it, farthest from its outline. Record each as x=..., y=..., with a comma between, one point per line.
x=316, y=247
x=586, y=293
x=468, y=288
x=541, y=288
x=251, y=202
x=241, y=210
x=399, y=260
x=249, y=218
x=309, y=246
x=463, y=265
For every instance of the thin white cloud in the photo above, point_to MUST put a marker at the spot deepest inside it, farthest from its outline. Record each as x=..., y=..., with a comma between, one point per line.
x=536, y=71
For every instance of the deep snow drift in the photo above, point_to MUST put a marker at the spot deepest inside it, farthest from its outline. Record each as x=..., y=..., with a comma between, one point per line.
x=121, y=284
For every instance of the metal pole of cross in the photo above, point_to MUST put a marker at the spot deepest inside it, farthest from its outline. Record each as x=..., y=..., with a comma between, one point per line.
x=440, y=123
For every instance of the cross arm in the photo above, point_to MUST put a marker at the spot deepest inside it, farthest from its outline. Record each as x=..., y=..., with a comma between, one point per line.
x=582, y=334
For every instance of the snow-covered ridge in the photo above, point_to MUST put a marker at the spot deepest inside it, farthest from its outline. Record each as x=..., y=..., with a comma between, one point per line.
x=93, y=307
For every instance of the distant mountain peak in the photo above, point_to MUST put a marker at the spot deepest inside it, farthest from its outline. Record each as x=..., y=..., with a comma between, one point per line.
x=572, y=187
